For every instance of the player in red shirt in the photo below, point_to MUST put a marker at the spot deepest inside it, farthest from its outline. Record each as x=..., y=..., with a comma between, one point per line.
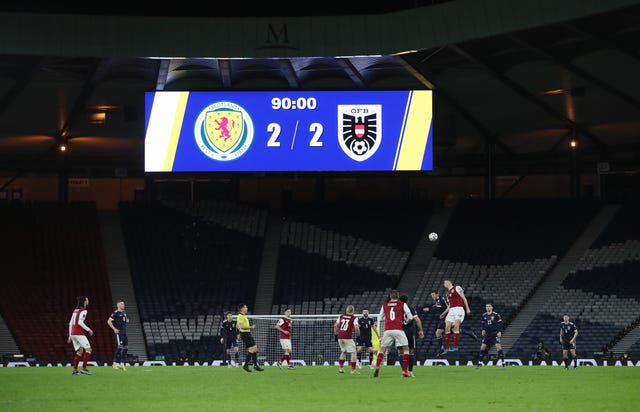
x=454, y=314
x=77, y=329
x=393, y=313
x=343, y=329
x=284, y=326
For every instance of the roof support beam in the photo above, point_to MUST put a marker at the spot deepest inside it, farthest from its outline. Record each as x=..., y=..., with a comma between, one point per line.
x=352, y=72
x=289, y=73
x=20, y=84
x=163, y=73
x=81, y=100
x=487, y=134
x=608, y=41
x=582, y=73
x=224, y=67
x=526, y=94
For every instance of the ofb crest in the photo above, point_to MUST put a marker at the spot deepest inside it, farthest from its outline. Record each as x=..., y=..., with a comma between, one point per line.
x=223, y=131
x=360, y=130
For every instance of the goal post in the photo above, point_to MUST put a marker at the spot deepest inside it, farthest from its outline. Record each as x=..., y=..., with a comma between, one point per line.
x=312, y=339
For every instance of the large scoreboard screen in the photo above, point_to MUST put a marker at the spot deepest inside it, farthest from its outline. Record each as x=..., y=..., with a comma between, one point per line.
x=262, y=131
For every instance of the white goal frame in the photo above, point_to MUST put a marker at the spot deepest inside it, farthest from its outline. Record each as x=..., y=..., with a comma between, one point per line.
x=312, y=340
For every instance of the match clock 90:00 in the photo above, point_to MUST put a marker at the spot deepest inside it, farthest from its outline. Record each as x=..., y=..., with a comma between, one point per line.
x=287, y=103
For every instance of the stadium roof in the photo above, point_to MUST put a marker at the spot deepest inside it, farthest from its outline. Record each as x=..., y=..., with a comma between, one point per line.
x=511, y=100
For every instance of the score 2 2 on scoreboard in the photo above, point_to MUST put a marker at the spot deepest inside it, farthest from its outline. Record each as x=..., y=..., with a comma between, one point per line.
x=288, y=131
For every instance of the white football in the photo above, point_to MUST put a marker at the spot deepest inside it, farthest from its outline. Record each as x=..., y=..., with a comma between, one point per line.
x=433, y=236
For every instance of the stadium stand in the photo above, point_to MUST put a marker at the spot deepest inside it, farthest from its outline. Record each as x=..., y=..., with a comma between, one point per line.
x=352, y=253
x=600, y=294
x=187, y=270
x=191, y=261
x=499, y=251
x=52, y=252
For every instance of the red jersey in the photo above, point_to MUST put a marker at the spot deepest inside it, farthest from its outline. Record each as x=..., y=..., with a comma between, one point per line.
x=393, y=313
x=346, y=323
x=77, y=321
x=285, y=324
x=453, y=295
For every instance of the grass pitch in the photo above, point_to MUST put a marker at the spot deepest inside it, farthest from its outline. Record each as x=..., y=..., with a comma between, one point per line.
x=321, y=388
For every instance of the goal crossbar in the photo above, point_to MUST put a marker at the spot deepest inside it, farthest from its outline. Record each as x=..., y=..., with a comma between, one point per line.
x=312, y=340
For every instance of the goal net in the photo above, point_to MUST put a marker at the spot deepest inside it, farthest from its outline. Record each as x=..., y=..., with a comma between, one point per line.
x=312, y=340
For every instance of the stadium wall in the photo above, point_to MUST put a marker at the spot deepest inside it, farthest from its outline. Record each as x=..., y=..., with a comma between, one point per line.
x=275, y=191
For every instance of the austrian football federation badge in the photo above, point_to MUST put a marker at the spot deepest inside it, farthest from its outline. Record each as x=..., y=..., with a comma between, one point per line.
x=360, y=130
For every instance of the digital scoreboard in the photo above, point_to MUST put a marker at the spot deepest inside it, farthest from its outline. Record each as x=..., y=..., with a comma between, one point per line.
x=262, y=131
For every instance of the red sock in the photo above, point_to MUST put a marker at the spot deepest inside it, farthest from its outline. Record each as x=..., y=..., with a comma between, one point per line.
x=287, y=357
x=379, y=360
x=353, y=366
x=456, y=336
x=405, y=361
x=341, y=363
x=85, y=360
x=76, y=361
x=447, y=340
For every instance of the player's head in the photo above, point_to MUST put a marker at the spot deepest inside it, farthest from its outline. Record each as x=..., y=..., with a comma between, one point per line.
x=394, y=295
x=120, y=304
x=350, y=309
x=566, y=317
x=365, y=313
x=287, y=312
x=229, y=315
x=489, y=307
x=404, y=298
x=82, y=302
x=242, y=308
x=448, y=283
x=434, y=294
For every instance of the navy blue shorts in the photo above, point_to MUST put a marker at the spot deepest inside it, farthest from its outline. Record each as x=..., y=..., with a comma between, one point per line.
x=122, y=339
x=231, y=343
x=364, y=341
x=490, y=339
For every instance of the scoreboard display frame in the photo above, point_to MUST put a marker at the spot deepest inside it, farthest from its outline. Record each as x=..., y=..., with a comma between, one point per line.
x=288, y=131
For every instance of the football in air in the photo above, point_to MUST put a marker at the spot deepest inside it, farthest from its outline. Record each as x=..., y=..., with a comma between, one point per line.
x=433, y=236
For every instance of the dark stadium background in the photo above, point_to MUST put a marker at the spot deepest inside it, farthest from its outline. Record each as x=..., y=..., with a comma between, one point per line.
x=508, y=194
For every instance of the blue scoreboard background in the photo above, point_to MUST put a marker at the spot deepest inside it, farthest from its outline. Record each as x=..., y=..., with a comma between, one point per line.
x=288, y=131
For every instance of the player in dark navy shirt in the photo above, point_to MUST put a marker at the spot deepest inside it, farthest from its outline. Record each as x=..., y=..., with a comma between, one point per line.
x=439, y=305
x=568, y=335
x=118, y=323
x=229, y=337
x=409, y=326
x=363, y=342
x=491, y=334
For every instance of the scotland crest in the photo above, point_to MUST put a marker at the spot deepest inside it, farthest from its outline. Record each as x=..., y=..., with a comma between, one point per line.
x=223, y=131
x=360, y=130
